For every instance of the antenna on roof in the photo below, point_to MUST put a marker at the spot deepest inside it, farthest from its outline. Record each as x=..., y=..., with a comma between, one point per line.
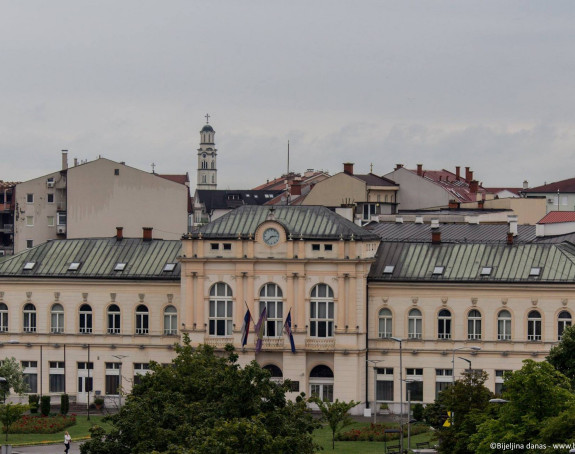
x=287, y=177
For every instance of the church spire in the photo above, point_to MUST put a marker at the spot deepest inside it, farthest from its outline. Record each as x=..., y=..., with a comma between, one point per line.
x=207, y=154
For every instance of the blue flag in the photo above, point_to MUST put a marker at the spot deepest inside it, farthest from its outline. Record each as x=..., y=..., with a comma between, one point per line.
x=287, y=326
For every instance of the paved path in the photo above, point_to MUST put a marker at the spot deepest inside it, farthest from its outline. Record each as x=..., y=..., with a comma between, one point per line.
x=57, y=448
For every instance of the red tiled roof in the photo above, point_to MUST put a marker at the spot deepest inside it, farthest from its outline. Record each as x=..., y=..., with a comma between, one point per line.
x=182, y=179
x=7, y=184
x=515, y=191
x=556, y=217
x=561, y=186
x=458, y=189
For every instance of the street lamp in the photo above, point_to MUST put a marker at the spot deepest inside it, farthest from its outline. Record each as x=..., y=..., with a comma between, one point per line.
x=474, y=348
x=375, y=363
x=466, y=360
x=397, y=339
x=120, y=358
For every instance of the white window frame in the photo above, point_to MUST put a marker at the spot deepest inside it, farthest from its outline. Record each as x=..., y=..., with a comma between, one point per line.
x=385, y=325
x=142, y=319
x=221, y=310
x=534, y=326
x=85, y=319
x=3, y=318
x=57, y=318
x=444, y=324
x=170, y=321
x=504, y=326
x=29, y=221
x=564, y=321
x=414, y=324
x=271, y=297
x=114, y=319
x=29, y=321
x=474, y=325
x=322, y=309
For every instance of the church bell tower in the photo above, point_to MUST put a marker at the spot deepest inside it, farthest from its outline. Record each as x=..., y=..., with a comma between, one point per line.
x=207, y=153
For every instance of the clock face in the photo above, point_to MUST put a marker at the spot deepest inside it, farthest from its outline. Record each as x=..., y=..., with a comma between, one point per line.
x=271, y=236
x=203, y=155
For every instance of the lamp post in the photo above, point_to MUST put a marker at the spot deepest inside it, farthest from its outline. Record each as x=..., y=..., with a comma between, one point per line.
x=475, y=349
x=466, y=360
x=375, y=363
x=120, y=358
x=397, y=339
x=89, y=383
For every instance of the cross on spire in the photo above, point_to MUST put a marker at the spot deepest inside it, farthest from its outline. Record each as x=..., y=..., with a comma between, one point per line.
x=207, y=118
x=153, y=167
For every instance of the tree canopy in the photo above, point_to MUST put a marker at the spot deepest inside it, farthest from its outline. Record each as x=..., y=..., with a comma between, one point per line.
x=562, y=356
x=10, y=369
x=206, y=403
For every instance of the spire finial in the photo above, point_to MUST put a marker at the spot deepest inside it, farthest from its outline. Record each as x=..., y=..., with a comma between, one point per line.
x=153, y=167
x=371, y=168
x=207, y=119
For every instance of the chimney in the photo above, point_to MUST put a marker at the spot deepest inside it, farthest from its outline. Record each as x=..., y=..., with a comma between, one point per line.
x=525, y=185
x=458, y=172
x=398, y=166
x=75, y=162
x=435, y=223
x=147, y=233
x=510, y=239
x=64, y=159
x=453, y=204
x=467, y=173
x=119, y=233
x=436, y=236
x=473, y=186
x=419, y=219
x=296, y=187
x=512, y=220
x=420, y=170
x=480, y=204
x=470, y=175
x=348, y=168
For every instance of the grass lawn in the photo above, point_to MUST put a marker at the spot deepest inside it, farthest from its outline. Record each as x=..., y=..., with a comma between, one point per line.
x=78, y=431
x=323, y=438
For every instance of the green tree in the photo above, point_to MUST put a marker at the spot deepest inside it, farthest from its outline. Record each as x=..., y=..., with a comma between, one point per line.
x=335, y=414
x=466, y=401
x=206, y=403
x=9, y=414
x=536, y=394
x=12, y=372
x=562, y=356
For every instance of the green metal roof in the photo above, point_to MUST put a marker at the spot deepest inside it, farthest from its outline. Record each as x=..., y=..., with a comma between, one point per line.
x=466, y=262
x=97, y=258
x=307, y=222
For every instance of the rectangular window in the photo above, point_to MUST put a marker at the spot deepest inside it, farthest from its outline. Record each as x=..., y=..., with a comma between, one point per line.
x=328, y=247
x=30, y=370
x=50, y=198
x=384, y=384
x=29, y=244
x=51, y=221
x=438, y=270
x=315, y=247
x=486, y=271
x=388, y=269
x=112, y=378
x=29, y=221
x=57, y=377
x=215, y=246
x=221, y=322
x=414, y=386
x=499, y=379
x=120, y=267
x=443, y=378
x=29, y=198
x=139, y=370
x=321, y=319
x=369, y=210
x=274, y=324
x=61, y=218
x=227, y=246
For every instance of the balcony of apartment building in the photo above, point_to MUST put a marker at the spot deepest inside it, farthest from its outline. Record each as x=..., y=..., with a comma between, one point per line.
x=6, y=228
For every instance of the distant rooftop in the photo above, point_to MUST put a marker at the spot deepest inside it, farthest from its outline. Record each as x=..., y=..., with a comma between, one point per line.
x=561, y=186
x=556, y=217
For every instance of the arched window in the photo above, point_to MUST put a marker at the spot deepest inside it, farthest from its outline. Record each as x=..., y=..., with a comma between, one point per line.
x=444, y=324
x=275, y=372
x=385, y=323
x=504, y=325
x=203, y=178
x=221, y=310
x=321, y=311
x=534, y=326
x=271, y=297
x=213, y=165
x=474, y=325
x=142, y=320
x=321, y=382
x=170, y=321
x=85, y=319
x=563, y=321
x=29, y=321
x=414, y=324
x=3, y=318
x=113, y=319
x=57, y=318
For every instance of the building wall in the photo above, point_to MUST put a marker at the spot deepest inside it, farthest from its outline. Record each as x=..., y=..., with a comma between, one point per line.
x=38, y=212
x=337, y=190
x=430, y=353
x=416, y=192
x=99, y=201
x=528, y=210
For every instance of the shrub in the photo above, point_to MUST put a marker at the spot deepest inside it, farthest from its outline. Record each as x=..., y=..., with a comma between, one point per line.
x=64, y=404
x=418, y=412
x=33, y=400
x=42, y=424
x=45, y=405
x=376, y=432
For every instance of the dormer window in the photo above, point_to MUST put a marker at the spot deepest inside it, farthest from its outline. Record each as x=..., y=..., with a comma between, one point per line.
x=169, y=267
x=74, y=266
x=120, y=266
x=388, y=269
x=29, y=265
x=535, y=271
x=438, y=270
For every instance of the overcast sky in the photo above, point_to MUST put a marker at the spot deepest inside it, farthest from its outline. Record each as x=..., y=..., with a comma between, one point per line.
x=490, y=85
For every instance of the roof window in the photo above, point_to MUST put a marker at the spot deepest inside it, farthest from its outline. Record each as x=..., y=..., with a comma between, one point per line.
x=74, y=266
x=486, y=271
x=438, y=270
x=535, y=271
x=388, y=269
x=120, y=266
x=29, y=265
x=168, y=267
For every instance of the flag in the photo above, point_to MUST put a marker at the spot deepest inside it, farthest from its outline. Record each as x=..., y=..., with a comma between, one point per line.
x=260, y=327
x=246, y=328
x=287, y=326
